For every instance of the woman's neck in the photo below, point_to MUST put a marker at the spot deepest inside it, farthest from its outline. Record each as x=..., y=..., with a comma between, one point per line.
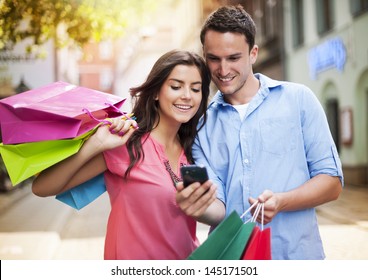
x=166, y=136
x=169, y=139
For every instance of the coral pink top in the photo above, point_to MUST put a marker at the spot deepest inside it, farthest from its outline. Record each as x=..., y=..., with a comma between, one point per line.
x=145, y=222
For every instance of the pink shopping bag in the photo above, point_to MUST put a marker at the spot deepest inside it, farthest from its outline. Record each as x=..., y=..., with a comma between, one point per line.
x=55, y=111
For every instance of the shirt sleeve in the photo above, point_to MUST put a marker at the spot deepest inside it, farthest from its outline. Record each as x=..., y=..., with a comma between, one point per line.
x=200, y=158
x=321, y=153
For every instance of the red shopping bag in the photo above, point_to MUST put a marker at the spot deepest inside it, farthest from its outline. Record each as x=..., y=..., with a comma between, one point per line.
x=54, y=112
x=259, y=244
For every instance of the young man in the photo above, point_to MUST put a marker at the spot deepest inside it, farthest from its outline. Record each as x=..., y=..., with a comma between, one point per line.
x=265, y=140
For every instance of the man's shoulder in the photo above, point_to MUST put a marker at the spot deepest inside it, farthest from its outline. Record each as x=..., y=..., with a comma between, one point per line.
x=284, y=86
x=270, y=82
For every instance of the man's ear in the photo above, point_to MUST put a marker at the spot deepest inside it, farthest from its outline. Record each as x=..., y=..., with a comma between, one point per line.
x=253, y=54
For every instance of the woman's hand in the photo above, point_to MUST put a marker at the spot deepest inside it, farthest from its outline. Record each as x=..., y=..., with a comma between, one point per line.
x=200, y=202
x=115, y=134
x=195, y=199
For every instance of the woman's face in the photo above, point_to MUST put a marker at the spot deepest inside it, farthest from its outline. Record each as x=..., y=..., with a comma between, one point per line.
x=180, y=95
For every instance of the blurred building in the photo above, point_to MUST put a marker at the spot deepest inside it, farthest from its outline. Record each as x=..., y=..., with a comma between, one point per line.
x=175, y=25
x=97, y=65
x=326, y=48
x=19, y=70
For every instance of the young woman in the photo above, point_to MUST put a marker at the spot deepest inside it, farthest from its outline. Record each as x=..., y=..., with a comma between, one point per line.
x=141, y=161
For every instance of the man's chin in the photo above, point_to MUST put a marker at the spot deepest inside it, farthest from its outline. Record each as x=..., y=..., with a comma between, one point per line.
x=225, y=90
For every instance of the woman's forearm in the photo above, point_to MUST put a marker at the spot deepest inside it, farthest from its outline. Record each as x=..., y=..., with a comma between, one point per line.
x=71, y=171
x=214, y=214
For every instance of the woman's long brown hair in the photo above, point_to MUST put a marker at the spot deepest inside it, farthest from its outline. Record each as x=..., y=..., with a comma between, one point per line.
x=146, y=107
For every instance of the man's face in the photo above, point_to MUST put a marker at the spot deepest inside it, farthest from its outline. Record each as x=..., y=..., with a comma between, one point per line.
x=229, y=60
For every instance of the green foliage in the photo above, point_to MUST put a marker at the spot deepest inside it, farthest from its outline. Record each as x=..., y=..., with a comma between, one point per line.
x=68, y=21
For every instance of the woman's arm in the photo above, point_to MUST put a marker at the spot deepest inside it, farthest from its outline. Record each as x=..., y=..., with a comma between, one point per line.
x=86, y=164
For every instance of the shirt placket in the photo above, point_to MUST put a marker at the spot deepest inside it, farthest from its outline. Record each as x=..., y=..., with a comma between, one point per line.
x=246, y=165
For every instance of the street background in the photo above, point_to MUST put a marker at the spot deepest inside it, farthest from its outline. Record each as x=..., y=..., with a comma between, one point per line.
x=44, y=228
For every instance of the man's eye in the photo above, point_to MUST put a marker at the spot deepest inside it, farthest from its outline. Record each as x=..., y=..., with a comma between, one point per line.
x=213, y=59
x=234, y=58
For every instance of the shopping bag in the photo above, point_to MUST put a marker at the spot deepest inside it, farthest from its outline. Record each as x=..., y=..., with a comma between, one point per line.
x=226, y=242
x=22, y=161
x=259, y=244
x=54, y=112
x=82, y=195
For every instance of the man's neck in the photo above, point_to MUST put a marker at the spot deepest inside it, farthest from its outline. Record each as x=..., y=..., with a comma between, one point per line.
x=245, y=94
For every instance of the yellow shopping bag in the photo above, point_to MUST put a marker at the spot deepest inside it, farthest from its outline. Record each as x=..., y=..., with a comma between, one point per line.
x=25, y=160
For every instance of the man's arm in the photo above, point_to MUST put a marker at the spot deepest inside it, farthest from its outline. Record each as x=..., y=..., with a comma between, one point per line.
x=316, y=191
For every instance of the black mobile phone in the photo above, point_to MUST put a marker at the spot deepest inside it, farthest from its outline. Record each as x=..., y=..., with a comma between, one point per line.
x=193, y=173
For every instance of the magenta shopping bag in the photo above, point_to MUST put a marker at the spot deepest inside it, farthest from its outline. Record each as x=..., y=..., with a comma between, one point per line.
x=53, y=112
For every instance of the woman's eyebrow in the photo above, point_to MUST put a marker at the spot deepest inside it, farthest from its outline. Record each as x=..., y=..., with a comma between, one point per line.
x=182, y=82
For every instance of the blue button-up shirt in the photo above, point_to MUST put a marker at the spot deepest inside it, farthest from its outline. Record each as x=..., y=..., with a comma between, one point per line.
x=283, y=141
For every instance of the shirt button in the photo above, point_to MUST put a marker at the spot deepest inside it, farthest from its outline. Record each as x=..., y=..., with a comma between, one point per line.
x=246, y=161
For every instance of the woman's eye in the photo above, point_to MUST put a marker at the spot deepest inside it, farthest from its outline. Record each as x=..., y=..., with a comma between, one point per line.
x=196, y=89
x=175, y=87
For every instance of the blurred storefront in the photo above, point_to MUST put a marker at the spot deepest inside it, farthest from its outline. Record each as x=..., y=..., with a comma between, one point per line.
x=327, y=49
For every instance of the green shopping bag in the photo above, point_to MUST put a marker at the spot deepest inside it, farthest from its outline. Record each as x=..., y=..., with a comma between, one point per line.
x=22, y=161
x=226, y=242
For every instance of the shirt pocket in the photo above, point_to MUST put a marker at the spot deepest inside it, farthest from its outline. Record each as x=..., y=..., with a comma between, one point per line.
x=278, y=135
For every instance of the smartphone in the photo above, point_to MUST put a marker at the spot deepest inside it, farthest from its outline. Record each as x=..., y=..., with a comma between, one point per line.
x=193, y=173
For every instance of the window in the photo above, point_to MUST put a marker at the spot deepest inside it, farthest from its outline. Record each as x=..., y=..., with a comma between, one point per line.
x=325, y=15
x=266, y=15
x=106, y=79
x=358, y=7
x=105, y=50
x=332, y=112
x=297, y=20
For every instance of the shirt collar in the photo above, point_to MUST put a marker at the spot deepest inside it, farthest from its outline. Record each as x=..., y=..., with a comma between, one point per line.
x=266, y=84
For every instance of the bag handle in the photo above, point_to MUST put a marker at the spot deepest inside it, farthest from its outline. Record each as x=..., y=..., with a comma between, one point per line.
x=121, y=112
x=106, y=121
x=259, y=208
x=250, y=208
x=88, y=112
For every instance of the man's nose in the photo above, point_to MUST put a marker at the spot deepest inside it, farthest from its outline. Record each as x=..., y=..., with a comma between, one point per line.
x=224, y=68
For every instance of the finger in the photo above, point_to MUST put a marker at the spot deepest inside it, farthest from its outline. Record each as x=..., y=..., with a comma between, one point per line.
x=125, y=136
x=179, y=186
x=267, y=194
x=202, y=209
x=202, y=202
x=198, y=194
x=252, y=200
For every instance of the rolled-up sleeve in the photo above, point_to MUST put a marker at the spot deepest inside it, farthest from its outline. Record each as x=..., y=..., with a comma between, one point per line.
x=321, y=152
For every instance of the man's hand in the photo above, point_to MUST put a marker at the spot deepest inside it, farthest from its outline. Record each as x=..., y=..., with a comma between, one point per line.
x=270, y=201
